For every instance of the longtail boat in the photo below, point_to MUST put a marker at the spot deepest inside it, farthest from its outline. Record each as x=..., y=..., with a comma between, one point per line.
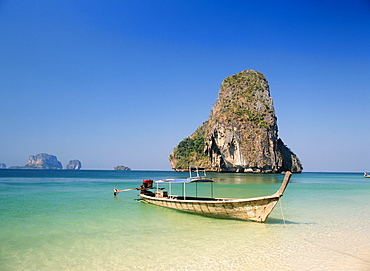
x=366, y=175
x=253, y=209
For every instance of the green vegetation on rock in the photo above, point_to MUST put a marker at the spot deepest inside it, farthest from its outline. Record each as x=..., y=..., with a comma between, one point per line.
x=190, y=151
x=242, y=97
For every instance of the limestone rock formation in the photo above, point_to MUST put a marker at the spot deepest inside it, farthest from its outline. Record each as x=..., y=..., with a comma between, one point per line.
x=2, y=166
x=121, y=168
x=241, y=134
x=74, y=165
x=42, y=161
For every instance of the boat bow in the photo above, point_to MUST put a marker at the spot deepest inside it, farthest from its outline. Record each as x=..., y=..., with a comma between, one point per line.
x=284, y=184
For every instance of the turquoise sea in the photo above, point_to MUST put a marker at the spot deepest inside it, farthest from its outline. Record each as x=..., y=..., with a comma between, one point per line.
x=69, y=220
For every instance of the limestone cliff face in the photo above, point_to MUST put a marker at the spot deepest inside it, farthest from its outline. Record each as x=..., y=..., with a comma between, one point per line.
x=74, y=165
x=43, y=161
x=241, y=134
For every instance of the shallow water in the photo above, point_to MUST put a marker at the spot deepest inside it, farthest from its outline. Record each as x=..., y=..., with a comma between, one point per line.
x=69, y=220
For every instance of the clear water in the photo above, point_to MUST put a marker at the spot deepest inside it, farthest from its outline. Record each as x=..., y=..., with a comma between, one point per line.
x=69, y=220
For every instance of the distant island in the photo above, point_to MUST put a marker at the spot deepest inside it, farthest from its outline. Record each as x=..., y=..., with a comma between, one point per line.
x=74, y=165
x=47, y=161
x=121, y=168
x=2, y=165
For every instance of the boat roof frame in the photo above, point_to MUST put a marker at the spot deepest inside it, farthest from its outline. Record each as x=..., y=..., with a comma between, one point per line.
x=191, y=179
x=187, y=180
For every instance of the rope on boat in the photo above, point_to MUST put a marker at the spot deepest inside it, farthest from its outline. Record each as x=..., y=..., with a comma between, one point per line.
x=282, y=213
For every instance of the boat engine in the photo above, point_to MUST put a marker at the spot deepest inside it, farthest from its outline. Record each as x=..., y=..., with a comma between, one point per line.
x=148, y=184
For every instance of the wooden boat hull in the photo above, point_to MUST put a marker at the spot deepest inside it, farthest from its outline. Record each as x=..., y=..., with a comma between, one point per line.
x=254, y=209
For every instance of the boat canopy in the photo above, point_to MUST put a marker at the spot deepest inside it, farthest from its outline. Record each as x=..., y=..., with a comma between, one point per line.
x=188, y=180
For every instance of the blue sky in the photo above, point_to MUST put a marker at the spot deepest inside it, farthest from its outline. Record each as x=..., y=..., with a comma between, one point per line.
x=122, y=82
